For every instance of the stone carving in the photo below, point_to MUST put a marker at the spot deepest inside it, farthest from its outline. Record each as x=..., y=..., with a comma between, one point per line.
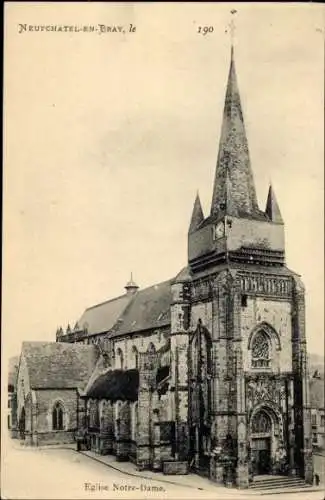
x=201, y=289
x=260, y=350
x=265, y=285
x=262, y=389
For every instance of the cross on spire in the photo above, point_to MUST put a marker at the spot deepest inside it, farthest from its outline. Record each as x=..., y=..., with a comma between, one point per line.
x=232, y=27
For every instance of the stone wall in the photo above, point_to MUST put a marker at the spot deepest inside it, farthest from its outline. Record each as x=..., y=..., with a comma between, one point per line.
x=23, y=387
x=203, y=311
x=123, y=435
x=46, y=400
x=276, y=313
x=57, y=437
x=255, y=234
x=141, y=343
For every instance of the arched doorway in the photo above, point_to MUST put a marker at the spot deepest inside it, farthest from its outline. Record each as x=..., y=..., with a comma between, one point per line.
x=22, y=423
x=261, y=442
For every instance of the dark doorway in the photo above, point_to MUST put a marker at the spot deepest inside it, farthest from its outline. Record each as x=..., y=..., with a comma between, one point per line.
x=261, y=456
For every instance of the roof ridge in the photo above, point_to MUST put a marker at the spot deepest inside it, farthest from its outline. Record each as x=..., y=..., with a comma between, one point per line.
x=106, y=302
x=131, y=296
x=67, y=345
x=156, y=284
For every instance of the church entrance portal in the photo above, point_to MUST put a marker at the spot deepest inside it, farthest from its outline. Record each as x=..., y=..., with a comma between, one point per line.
x=261, y=455
x=261, y=441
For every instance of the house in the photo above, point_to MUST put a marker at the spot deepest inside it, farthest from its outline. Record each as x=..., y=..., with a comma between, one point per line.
x=50, y=377
x=317, y=388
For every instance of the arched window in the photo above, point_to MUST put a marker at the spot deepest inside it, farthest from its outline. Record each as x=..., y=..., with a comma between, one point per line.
x=134, y=358
x=151, y=348
x=119, y=361
x=261, y=423
x=261, y=350
x=57, y=417
x=201, y=353
x=194, y=357
x=94, y=417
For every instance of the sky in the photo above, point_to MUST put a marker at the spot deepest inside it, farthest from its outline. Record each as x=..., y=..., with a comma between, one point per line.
x=109, y=136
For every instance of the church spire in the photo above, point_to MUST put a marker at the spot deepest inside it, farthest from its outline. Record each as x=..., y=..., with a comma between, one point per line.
x=233, y=177
x=197, y=214
x=272, y=209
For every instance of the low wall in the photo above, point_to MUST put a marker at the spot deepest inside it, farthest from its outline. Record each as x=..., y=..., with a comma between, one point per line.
x=55, y=437
x=175, y=468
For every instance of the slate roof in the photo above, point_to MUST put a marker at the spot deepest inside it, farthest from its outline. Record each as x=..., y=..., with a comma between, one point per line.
x=116, y=385
x=148, y=309
x=317, y=393
x=58, y=365
x=102, y=317
x=145, y=309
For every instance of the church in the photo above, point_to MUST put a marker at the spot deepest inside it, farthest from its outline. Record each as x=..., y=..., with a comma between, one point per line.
x=205, y=372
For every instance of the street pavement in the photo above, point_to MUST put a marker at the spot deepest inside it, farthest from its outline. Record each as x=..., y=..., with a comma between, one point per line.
x=62, y=473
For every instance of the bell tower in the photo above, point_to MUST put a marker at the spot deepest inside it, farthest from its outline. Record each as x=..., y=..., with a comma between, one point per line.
x=251, y=309
x=236, y=230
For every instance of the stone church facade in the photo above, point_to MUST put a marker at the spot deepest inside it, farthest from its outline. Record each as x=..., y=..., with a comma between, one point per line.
x=208, y=371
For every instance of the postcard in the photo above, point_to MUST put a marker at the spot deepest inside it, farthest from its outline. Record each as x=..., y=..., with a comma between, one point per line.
x=163, y=243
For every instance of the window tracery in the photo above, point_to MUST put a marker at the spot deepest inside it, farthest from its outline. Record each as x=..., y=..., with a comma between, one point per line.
x=261, y=423
x=261, y=350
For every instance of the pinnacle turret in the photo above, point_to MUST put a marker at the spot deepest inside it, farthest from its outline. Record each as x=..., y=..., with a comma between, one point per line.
x=197, y=215
x=131, y=287
x=272, y=209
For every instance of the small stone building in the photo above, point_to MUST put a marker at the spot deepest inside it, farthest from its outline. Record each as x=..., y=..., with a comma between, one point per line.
x=50, y=376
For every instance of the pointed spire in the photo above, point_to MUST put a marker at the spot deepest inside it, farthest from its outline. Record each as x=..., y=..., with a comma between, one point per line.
x=272, y=209
x=233, y=158
x=197, y=214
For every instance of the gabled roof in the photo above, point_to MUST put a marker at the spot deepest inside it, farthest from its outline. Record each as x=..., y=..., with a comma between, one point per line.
x=317, y=393
x=115, y=385
x=148, y=309
x=102, y=317
x=55, y=365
